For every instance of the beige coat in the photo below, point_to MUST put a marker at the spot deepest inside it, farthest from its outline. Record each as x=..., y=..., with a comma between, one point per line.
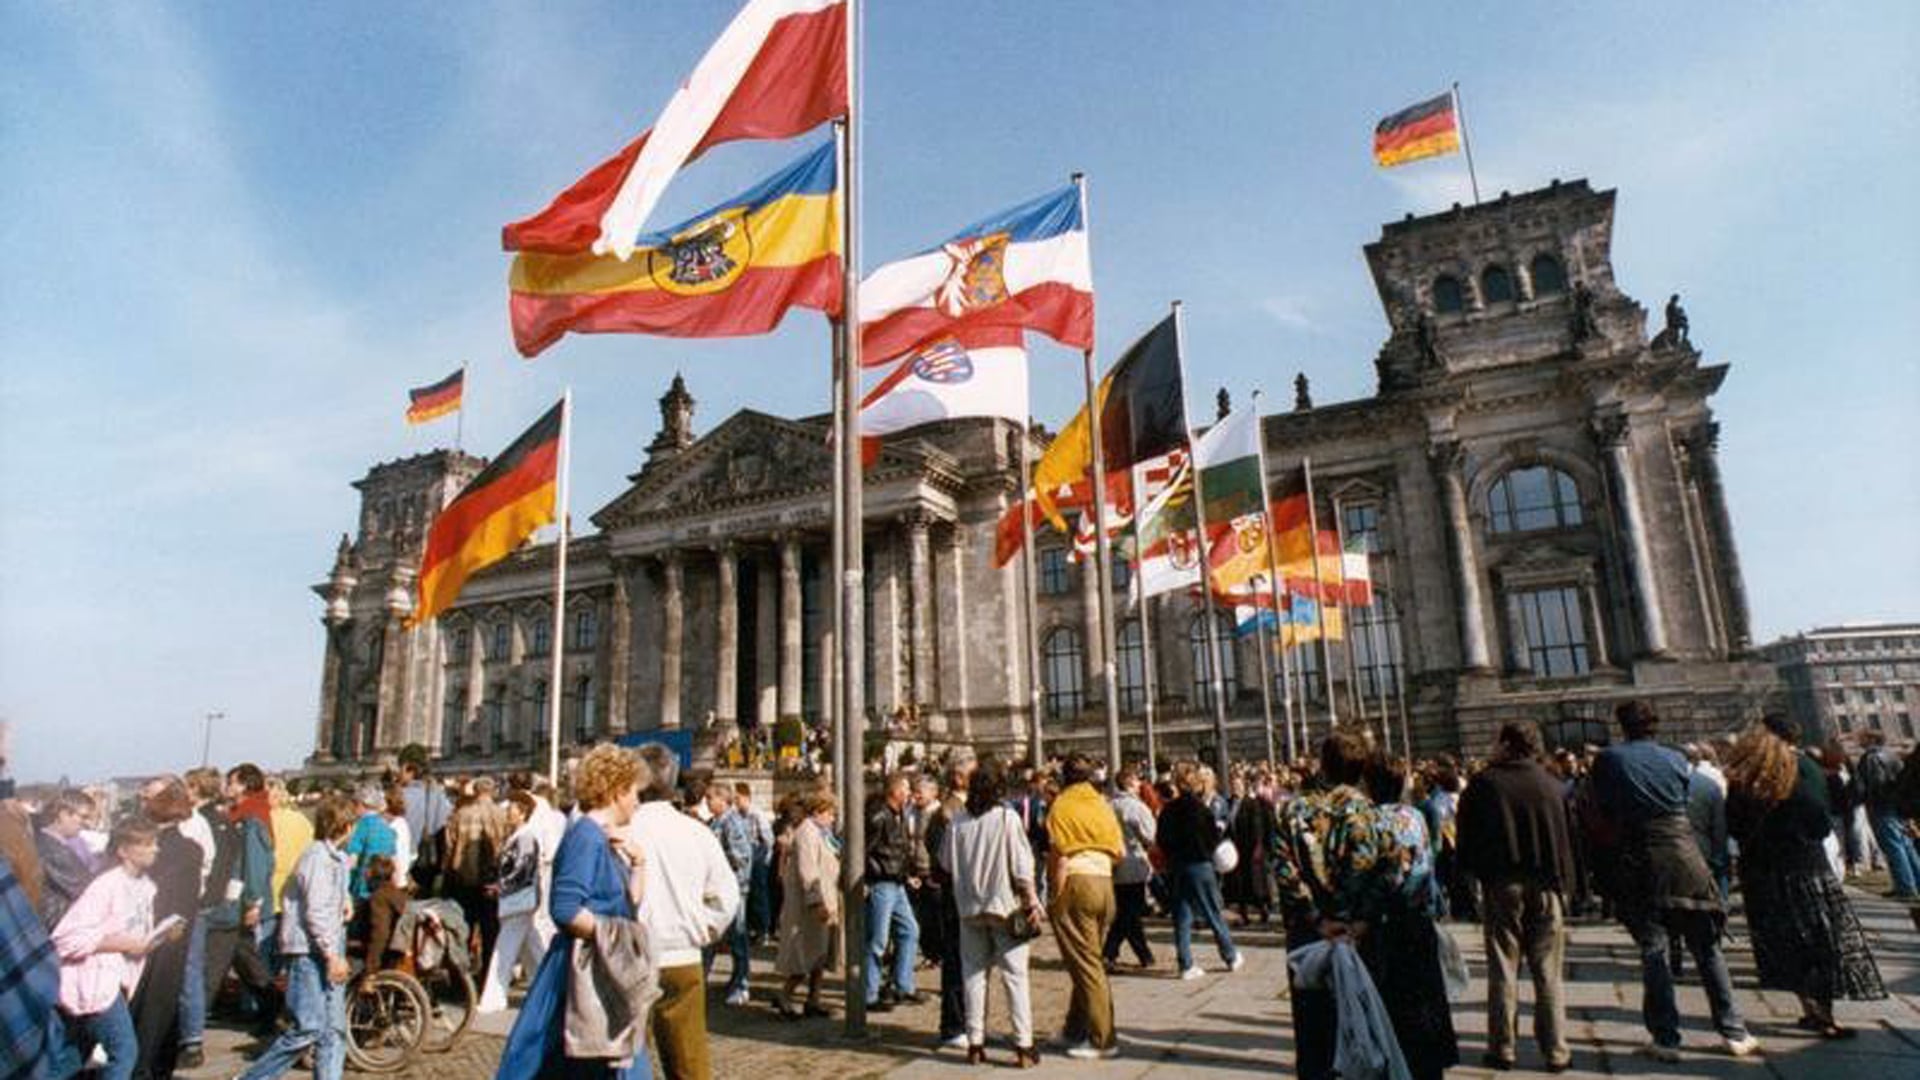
x=809, y=876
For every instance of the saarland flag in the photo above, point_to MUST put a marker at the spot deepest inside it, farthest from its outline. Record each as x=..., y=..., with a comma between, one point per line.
x=492, y=515
x=1142, y=415
x=433, y=402
x=1024, y=269
x=732, y=271
x=1426, y=130
x=777, y=71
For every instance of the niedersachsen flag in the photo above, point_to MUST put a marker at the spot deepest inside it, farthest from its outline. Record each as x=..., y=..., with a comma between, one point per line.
x=729, y=272
x=433, y=402
x=1426, y=130
x=492, y=515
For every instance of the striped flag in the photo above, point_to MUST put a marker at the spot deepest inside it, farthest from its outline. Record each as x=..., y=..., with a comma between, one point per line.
x=437, y=400
x=1426, y=130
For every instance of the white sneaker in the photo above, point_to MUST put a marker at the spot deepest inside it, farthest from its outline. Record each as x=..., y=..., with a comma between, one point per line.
x=739, y=997
x=1743, y=1046
x=1668, y=1054
x=1239, y=961
x=1192, y=973
x=1086, y=1051
x=958, y=1042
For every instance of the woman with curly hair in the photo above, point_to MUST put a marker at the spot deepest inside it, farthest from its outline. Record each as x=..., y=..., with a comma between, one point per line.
x=1805, y=936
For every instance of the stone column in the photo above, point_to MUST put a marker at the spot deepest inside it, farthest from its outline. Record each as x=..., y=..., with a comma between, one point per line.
x=766, y=643
x=1611, y=431
x=1703, y=452
x=672, y=622
x=920, y=608
x=789, y=625
x=726, y=677
x=957, y=696
x=619, y=647
x=1095, y=667
x=332, y=680
x=1597, y=652
x=1446, y=457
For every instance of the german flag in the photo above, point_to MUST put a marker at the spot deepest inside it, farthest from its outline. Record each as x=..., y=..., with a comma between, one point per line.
x=493, y=515
x=433, y=402
x=1426, y=130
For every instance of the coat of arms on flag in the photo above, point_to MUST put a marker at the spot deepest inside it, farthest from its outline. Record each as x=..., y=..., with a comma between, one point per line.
x=945, y=363
x=978, y=275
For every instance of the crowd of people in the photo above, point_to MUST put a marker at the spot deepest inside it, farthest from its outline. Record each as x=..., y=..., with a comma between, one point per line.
x=615, y=899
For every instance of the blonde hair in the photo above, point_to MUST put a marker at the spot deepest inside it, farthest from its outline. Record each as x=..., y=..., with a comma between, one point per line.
x=1762, y=766
x=605, y=772
x=1190, y=777
x=278, y=794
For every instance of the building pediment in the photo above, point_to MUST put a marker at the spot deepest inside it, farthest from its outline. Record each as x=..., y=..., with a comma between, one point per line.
x=750, y=459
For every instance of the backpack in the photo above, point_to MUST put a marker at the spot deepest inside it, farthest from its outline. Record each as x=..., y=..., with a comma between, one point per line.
x=1875, y=776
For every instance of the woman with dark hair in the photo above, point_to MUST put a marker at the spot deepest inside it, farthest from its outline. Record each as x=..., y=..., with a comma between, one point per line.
x=176, y=881
x=991, y=869
x=1806, y=938
x=1187, y=834
x=1401, y=945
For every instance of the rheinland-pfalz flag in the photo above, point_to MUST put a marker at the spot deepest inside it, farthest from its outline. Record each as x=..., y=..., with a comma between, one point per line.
x=433, y=402
x=777, y=71
x=1142, y=415
x=492, y=515
x=1426, y=130
x=729, y=272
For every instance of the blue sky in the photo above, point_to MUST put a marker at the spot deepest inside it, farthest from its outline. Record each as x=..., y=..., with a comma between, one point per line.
x=238, y=233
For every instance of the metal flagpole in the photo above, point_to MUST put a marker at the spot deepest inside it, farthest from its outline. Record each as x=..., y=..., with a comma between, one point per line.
x=460, y=421
x=1266, y=668
x=1320, y=601
x=1214, y=656
x=1346, y=615
x=1466, y=144
x=1148, y=677
x=1276, y=586
x=1394, y=639
x=1036, y=743
x=1102, y=546
x=559, y=644
x=849, y=527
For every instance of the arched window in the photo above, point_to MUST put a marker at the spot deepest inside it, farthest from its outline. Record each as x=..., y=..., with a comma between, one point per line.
x=583, y=718
x=586, y=630
x=1203, y=658
x=1133, y=667
x=1448, y=296
x=502, y=641
x=1549, y=278
x=540, y=634
x=1061, y=662
x=1534, y=497
x=1496, y=285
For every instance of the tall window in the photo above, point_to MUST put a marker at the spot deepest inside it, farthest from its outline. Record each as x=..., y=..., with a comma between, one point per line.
x=1062, y=664
x=1448, y=296
x=1554, y=632
x=495, y=712
x=1362, y=524
x=1054, y=576
x=1133, y=667
x=452, y=719
x=586, y=630
x=541, y=701
x=1548, y=276
x=540, y=634
x=584, y=722
x=1122, y=571
x=1305, y=658
x=502, y=641
x=1535, y=497
x=1376, y=645
x=1496, y=285
x=1203, y=658
x=460, y=646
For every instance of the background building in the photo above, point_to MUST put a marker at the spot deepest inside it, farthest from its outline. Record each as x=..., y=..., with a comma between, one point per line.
x=1857, y=677
x=1536, y=478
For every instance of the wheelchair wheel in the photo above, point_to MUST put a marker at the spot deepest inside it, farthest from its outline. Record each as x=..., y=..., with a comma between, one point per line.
x=387, y=1017
x=450, y=1001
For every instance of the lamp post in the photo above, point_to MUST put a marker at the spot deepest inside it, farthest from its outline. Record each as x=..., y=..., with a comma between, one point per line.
x=206, y=742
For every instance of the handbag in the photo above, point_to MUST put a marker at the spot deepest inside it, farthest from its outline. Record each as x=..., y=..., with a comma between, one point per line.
x=1021, y=925
x=519, y=902
x=1226, y=857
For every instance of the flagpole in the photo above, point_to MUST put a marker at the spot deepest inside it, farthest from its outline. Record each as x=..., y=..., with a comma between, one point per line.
x=1346, y=615
x=1400, y=683
x=1030, y=590
x=1382, y=642
x=849, y=527
x=1206, y=557
x=1466, y=144
x=1276, y=585
x=1146, y=661
x=1320, y=604
x=460, y=421
x=1266, y=668
x=1102, y=546
x=559, y=645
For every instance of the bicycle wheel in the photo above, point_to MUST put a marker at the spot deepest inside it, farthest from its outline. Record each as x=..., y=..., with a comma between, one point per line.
x=387, y=1016
x=450, y=1000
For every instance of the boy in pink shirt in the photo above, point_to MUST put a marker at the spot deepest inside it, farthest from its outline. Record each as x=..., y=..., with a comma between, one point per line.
x=103, y=942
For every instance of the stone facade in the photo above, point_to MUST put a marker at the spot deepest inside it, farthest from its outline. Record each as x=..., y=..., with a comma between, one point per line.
x=1536, y=479
x=1843, y=680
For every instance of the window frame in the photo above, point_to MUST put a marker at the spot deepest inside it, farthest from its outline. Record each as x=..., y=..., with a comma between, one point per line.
x=1202, y=658
x=1540, y=653
x=1505, y=512
x=1063, y=661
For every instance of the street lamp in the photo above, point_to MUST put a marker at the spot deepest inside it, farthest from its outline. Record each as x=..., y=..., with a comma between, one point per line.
x=206, y=743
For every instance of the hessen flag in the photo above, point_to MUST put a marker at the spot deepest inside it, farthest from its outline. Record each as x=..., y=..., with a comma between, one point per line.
x=1024, y=269
x=945, y=380
x=492, y=515
x=779, y=70
x=1142, y=415
x=729, y=272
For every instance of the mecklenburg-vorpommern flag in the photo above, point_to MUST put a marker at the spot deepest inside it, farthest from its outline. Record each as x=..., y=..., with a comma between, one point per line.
x=492, y=515
x=1426, y=130
x=433, y=402
x=730, y=272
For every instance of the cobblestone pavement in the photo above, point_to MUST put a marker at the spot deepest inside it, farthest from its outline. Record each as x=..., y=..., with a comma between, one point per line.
x=1238, y=1025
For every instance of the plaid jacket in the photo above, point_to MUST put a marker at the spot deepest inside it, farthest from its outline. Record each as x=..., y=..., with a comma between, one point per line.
x=32, y=1041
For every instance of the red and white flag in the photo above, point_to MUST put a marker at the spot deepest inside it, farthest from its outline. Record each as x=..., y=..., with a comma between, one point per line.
x=779, y=70
x=946, y=380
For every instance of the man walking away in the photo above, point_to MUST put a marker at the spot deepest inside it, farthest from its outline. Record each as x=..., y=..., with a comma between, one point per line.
x=1131, y=874
x=428, y=812
x=1084, y=843
x=1878, y=774
x=890, y=873
x=313, y=939
x=1515, y=839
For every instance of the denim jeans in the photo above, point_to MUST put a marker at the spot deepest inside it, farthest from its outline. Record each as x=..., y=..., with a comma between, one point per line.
x=1897, y=846
x=1196, y=892
x=1658, y=1009
x=319, y=1009
x=739, y=947
x=890, y=914
x=193, y=991
x=112, y=1029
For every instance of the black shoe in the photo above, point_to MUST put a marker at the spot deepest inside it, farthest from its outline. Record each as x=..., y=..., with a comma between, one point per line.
x=881, y=1006
x=190, y=1057
x=915, y=998
x=1495, y=1062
